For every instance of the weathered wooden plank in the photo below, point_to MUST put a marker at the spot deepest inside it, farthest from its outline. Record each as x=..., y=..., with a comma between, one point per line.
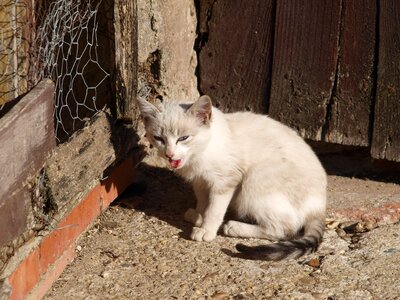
x=126, y=59
x=386, y=132
x=304, y=63
x=349, y=112
x=235, y=56
x=26, y=139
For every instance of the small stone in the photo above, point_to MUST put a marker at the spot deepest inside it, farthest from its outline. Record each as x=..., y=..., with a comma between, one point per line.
x=314, y=262
x=340, y=232
x=333, y=225
x=220, y=295
x=105, y=274
x=392, y=250
x=359, y=228
x=183, y=286
x=369, y=225
x=355, y=239
x=79, y=248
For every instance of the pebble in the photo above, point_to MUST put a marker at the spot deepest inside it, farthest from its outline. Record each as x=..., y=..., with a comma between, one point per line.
x=392, y=250
x=314, y=262
x=105, y=274
x=333, y=225
x=220, y=295
x=340, y=232
x=359, y=228
x=370, y=225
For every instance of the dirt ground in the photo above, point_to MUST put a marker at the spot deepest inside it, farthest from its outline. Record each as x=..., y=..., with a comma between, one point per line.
x=139, y=249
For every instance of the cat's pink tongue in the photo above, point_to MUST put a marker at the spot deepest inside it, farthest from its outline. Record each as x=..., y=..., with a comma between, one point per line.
x=174, y=163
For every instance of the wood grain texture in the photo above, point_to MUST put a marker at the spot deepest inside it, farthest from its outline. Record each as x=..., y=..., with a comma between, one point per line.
x=304, y=65
x=26, y=139
x=350, y=109
x=235, y=60
x=386, y=132
x=126, y=51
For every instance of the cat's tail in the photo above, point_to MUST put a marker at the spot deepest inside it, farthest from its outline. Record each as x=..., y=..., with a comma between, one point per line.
x=308, y=243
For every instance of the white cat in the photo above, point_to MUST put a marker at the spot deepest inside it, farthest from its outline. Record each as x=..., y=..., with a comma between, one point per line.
x=256, y=166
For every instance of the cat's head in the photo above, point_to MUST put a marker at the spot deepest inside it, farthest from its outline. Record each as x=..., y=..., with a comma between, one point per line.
x=177, y=130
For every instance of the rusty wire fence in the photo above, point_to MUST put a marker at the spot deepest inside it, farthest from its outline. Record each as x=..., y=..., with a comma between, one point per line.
x=14, y=45
x=56, y=39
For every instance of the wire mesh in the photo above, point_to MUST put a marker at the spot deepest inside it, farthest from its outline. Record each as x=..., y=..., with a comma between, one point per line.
x=63, y=45
x=13, y=50
x=67, y=47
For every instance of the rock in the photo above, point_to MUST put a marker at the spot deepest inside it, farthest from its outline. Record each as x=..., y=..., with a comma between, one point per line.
x=314, y=262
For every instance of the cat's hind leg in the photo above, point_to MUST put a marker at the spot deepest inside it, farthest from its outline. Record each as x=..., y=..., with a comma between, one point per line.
x=245, y=230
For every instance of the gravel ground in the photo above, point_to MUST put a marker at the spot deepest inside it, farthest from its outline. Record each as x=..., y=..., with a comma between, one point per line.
x=139, y=249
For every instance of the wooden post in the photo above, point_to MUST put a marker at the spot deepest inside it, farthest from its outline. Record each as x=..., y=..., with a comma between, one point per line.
x=126, y=50
x=386, y=133
x=304, y=63
x=235, y=60
x=350, y=109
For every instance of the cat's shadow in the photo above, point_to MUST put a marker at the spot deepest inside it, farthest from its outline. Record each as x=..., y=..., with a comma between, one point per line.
x=159, y=193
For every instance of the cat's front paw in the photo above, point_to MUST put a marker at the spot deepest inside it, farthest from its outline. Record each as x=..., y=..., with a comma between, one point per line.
x=200, y=234
x=192, y=216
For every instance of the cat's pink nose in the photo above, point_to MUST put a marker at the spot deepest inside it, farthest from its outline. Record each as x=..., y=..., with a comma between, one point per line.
x=169, y=155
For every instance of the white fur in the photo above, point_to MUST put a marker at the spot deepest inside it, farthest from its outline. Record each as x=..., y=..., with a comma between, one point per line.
x=255, y=165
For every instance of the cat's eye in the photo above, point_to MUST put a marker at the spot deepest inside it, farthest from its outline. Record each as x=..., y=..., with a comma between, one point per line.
x=183, y=138
x=159, y=138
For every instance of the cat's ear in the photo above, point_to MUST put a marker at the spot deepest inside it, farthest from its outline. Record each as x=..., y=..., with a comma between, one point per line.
x=147, y=110
x=202, y=109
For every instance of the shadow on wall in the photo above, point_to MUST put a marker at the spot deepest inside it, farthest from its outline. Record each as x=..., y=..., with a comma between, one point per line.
x=355, y=162
x=125, y=142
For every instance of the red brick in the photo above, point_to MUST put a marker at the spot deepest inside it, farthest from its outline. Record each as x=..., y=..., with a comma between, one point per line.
x=70, y=228
x=53, y=273
x=121, y=177
x=26, y=276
